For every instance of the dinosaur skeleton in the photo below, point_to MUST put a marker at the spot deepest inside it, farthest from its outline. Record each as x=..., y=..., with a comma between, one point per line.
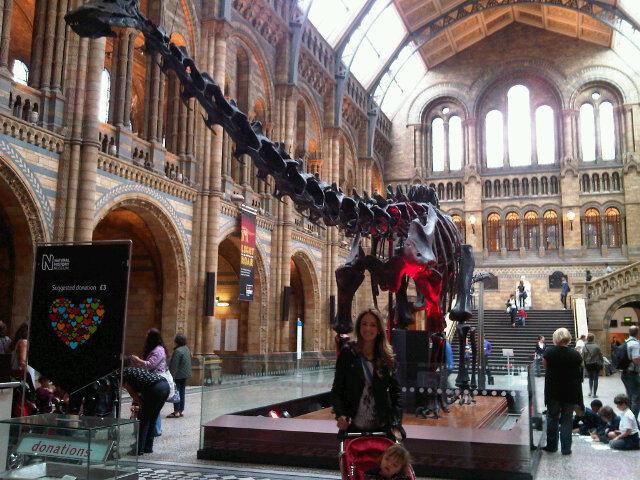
x=427, y=245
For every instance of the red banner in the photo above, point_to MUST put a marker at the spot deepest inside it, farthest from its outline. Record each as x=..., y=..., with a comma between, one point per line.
x=247, y=253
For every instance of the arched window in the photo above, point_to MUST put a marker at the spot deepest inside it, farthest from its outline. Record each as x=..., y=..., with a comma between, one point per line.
x=544, y=185
x=512, y=231
x=506, y=188
x=607, y=131
x=606, y=183
x=534, y=186
x=456, y=151
x=525, y=187
x=587, y=133
x=459, y=223
x=516, y=187
x=519, y=125
x=586, y=183
x=459, y=191
x=20, y=72
x=497, y=190
x=612, y=226
x=591, y=228
x=441, y=191
x=437, y=144
x=494, y=139
x=615, y=180
x=493, y=232
x=596, y=182
x=554, y=186
x=487, y=189
x=105, y=96
x=531, y=230
x=550, y=221
x=449, y=191
x=545, y=135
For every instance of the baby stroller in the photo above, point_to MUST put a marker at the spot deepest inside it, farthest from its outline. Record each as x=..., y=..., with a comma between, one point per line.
x=360, y=452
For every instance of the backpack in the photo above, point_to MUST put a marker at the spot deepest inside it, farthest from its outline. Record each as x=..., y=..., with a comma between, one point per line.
x=620, y=357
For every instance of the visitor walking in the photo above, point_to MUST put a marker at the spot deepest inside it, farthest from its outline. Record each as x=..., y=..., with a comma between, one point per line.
x=580, y=343
x=593, y=362
x=538, y=354
x=154, y=359
x=365, y=394
x=180, y=367
x=512, y=308
x=522, y=294
x=630, y=374
x=562, y=390
x=564, y=291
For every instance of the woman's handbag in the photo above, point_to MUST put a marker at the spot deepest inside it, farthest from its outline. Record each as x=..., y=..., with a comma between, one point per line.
x=174, y=395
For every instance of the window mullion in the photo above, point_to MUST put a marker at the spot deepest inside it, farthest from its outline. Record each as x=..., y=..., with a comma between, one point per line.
x=447, y=161
x=598, y=131
x=534, y=136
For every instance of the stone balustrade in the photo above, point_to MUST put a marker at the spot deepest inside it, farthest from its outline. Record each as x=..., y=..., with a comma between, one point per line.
x=30, y=133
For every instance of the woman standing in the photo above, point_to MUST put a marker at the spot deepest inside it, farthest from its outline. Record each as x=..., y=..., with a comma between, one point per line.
x=366, y=394
x=522, y=294
x=562, y=389
x=593, y=362
x=149, y=391
x=512, y=308
x=180, y=367
x=538, y=355
x=154, y=359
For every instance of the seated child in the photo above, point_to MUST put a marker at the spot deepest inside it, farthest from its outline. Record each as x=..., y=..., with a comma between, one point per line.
x=586, y=420
x=522, y=317
x=45, y=398
x=612, y=423
x=626, y=438
x=393, y=465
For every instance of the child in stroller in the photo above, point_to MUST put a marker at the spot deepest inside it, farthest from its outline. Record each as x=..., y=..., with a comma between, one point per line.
x=373, y=456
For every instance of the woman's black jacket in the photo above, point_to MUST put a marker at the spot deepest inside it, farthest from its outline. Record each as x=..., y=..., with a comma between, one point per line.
x=348, y=385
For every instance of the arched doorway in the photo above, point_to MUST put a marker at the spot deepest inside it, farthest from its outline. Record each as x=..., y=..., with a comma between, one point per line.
x=304, y=303
x=240, y=328
x=158, y=277
x=621, y=315
x=20, y=229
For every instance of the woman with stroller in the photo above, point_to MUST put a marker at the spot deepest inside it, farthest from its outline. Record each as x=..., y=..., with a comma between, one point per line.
x=365, y=394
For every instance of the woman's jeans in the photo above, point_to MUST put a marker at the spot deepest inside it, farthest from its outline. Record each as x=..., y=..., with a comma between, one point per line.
x=512, y=314
x=631, y=442
x=152, y=400
x=559, y=415
x=181, y=385
x=593, y=373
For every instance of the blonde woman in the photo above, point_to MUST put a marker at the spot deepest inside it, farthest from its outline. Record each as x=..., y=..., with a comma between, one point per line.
x=365, y=394
x=562, y=389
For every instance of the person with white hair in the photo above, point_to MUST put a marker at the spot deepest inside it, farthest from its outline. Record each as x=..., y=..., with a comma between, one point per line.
x=562, y=389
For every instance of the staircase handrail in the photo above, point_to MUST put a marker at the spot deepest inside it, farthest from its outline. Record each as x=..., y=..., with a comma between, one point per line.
x=592, y=289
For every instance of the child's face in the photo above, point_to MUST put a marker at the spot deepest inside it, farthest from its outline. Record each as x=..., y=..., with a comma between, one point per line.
x=390, y=466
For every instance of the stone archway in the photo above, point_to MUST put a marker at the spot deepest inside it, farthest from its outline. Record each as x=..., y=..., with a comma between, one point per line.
x=306, y=293
x=21, y=228
x=158, y=280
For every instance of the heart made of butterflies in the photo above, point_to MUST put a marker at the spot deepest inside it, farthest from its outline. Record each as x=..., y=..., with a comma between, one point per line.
x=75, y=323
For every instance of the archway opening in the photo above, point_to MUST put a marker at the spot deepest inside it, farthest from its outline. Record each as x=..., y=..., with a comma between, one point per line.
x=303, y=304
x=627, y=315
x=146, y=282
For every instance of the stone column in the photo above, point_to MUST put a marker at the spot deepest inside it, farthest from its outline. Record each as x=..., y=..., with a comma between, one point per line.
x=503, y=238
x=472, y=147
x=37, y=45
x=628, y=128
x=567, y=133
x=215, y=192
x=596, y=114
x=126, y=120
x=121, y=62
x=153, y=91
x=541, y=244
x=5, y=36
x=49, y=44
x=58, y=59
x=534, y=139
x=90, y=144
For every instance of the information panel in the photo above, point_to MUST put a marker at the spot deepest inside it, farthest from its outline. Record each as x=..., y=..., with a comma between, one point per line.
x=247, y=253
x=78, y=311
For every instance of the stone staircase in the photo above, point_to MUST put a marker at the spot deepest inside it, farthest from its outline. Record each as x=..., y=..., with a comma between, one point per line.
x=498, y=330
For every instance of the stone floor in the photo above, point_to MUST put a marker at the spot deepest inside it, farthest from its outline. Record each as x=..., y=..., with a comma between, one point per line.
x=175, y=451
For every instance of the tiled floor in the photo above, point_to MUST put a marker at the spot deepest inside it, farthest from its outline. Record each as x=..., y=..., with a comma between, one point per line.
x=175, y=451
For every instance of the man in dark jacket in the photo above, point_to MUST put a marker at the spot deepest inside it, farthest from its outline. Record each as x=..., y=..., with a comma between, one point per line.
x=562, y=389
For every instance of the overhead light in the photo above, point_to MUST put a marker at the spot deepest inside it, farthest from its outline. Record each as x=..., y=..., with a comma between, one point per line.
x=221, y=304
x=472, y=222
x=571, y=216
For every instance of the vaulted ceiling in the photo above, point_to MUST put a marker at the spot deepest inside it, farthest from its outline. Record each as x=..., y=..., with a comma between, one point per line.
x=418, y=13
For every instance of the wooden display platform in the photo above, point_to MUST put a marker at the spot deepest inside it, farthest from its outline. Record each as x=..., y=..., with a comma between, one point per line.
x=476, y=415
x=456, y=446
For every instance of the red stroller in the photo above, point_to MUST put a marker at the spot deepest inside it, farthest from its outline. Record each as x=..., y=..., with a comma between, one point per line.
x=360, y=452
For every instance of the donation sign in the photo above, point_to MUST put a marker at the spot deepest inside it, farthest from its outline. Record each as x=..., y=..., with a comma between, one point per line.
x=247, y=253
x=78, y=311
x=64, y=447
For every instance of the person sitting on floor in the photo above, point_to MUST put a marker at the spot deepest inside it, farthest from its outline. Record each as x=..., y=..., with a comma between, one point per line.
x=611, y=424
x=394, y=464
x=626, y=438
x=586, y=420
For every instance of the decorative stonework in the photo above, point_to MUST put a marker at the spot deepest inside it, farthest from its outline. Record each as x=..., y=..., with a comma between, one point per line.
x=18, y=160
x=111, y=197
x=311, y=281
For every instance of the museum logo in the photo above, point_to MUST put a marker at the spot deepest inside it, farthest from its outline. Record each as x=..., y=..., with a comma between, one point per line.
x=49, y=262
